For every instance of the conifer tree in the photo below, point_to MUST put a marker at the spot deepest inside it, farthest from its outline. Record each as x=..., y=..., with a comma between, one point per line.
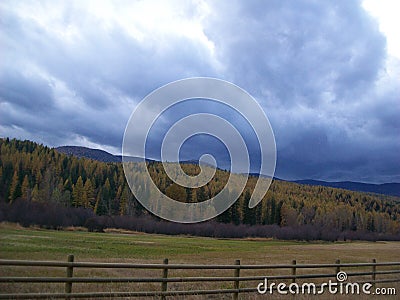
x=77, y=192
x=35, y=193
x=14, y=187
x=176, y=192
x=123, y=204
x=25, y=189
x=248, y=213
x=88, y=194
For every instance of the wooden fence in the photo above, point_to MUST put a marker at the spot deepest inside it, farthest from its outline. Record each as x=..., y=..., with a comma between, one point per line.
x=372, y=272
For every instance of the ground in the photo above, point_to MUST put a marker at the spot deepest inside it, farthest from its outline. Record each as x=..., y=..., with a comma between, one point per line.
x=121, y=246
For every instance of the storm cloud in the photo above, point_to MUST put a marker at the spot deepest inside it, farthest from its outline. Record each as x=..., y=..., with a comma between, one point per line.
x=72, y=72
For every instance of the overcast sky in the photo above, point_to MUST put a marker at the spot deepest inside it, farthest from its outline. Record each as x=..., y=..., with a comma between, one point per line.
x=325, y=72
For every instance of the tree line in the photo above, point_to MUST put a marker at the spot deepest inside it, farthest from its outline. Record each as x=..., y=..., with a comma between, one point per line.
x=40, y=175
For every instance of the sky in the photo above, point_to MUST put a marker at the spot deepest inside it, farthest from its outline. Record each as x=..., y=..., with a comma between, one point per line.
x=326, y=73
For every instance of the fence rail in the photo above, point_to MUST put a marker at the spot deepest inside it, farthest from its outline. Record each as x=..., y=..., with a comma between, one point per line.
x=366, y=272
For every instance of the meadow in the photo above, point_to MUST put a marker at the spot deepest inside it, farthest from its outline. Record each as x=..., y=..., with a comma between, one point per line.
x=116, y=245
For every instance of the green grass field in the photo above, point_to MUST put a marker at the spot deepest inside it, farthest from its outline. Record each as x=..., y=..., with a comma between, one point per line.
x=27, y=243
x=115, y=246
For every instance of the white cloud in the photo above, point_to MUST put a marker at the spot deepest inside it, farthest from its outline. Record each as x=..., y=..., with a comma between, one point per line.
x=387, y=14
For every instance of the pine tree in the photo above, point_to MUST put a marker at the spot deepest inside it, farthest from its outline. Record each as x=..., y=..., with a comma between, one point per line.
x=201, y=194
x=14, y=187
x=38, y=174
x=84, y=198
x=77, y=192
x=35, y=193
x=25, y=189
x=96, y=206
x=88, y=194
x=235, y=211
x=106, y=197
x=258, y=213
x=67, y=184
x=101, y=208
x=248, y=213
x=123, y=204
x=138, y=207
x=189, y=197
x=176, y=192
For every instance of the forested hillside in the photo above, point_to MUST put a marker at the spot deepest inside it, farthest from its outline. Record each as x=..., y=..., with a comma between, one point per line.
x=84, y=152
x=38, y=175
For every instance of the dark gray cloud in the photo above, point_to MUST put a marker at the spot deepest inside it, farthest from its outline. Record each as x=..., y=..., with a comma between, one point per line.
x=71, y=73
x=319, y=70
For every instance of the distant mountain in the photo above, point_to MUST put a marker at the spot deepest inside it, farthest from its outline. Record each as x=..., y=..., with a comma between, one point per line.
x=392, y=189
x=95, y=154
x=104, y=156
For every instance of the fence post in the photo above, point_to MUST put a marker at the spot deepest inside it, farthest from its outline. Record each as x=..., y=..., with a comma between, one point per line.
x=164, y=284
x=373, y=272
x=294, y=270
x=337, y=267
x=70, y=273
x=236, y=282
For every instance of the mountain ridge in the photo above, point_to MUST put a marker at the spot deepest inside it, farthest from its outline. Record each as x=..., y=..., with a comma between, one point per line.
x=95, y=154
x=391, y=189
